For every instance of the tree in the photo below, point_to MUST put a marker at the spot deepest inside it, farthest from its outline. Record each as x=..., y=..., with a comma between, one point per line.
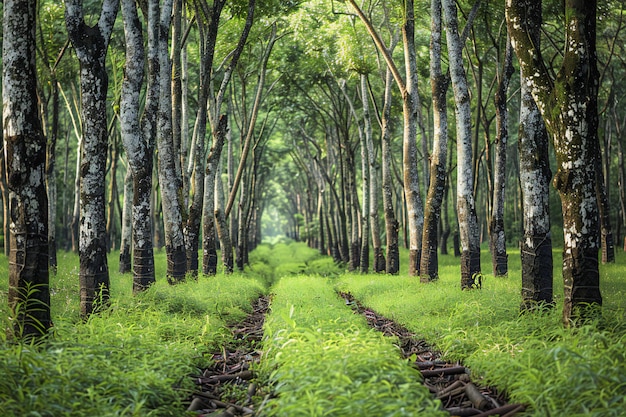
x=139, y=151
x=169, y=180
x=568, y=104
x=439, y=87
x=25, y=150
x=497, y=239
x=468, y=224
x=410, y=111
x=91, y=44
x=535, y=174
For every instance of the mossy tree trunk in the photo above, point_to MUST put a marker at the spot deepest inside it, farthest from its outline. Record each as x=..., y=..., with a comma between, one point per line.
x=138, y=146
x=91, y=45
x=535, y=174
x=25, y=151
x=568, y=104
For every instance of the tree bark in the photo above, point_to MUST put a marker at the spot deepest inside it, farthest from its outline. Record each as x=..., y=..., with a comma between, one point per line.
x=169, y=182
x=392, y=265
x=569, y=108
x=25, y=152
x=468, y=223
x=410, y=111
x=439, y=86
x=497, y=238
x=91, y=45
x=536, y=244
x=138, y=143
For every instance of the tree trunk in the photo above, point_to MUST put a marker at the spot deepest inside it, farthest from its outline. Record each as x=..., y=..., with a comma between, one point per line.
x=221, y=222
x=127, y=223
x=113, y=194
x=209, y=260
x=51, y=181
x=497, y=238
x=468, y=224
x=169, y=182
x=392, y=265
x=91, y=45
x=208, y=29
x=536, y=244
x=569, y=107
x=138, y=140
x=439, y=86
x=25, y=152
x=410, y=111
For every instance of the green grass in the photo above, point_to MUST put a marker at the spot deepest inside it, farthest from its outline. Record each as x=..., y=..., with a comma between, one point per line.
x=323, y=360
x=556, y=371
x=134, y=359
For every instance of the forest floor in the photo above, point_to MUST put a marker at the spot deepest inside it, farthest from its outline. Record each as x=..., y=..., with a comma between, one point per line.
x=229, y=387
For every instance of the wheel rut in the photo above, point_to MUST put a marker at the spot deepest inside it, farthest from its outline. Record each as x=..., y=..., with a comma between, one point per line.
x=450, y=382
x=227, y=387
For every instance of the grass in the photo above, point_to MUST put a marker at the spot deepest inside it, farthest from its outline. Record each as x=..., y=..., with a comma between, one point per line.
x=556, y=371
x=133, y=359
x=323, y=360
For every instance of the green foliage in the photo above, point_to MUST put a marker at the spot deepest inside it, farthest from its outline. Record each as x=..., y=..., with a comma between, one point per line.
x=556, y=371
x=132, y=359
x=324, y=360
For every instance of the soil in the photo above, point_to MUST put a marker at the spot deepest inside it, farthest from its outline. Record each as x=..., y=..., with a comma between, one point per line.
x=227, y=388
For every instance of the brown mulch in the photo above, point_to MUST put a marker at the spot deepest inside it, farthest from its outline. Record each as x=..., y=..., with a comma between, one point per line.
x=226, y=388
x=449, y=382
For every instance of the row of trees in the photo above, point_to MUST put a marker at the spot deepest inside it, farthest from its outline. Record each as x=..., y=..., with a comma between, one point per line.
x=351, y=67
x=153, y=112
x=211, y=112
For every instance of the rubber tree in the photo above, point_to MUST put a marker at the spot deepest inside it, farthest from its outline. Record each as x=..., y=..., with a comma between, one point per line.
x=91, y=45
x=139, y=148
x=439, y=82
x=535, y=175
x=410, y=111
x=468, y=223
x=568, y=104
x=497, y=237
x=25, y=152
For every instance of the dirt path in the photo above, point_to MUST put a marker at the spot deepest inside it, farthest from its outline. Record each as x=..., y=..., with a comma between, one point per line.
x=226, y=388
x=449, y=382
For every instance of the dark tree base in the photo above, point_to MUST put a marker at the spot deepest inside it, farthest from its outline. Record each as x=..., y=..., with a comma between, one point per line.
x=470, y=270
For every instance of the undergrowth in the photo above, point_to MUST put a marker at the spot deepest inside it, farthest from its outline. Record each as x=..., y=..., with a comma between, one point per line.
x=556, y=371
x=322, y=360
x=133, y=359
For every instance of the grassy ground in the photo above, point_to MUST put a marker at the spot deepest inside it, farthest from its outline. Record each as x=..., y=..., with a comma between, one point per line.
x=133, y=360
x=556, y=371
